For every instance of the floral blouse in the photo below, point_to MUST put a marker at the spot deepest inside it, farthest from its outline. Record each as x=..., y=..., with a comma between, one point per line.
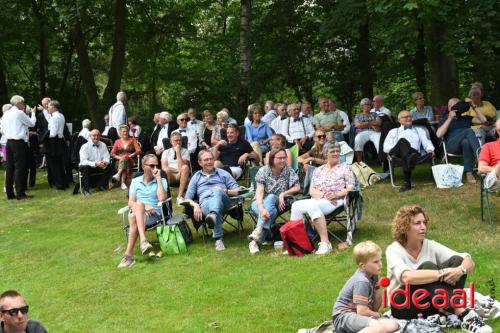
x=335, y=180
x=276, y=185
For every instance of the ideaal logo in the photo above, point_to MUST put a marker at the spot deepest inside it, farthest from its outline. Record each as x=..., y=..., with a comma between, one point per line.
x=438, y=301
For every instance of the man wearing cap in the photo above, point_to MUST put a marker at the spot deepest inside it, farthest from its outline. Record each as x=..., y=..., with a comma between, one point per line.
x=14, y=315
x=455, y=129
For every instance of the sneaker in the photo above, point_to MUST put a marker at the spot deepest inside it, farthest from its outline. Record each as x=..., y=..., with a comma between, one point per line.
x=324, y=248
x=126, y=262
x=253, y=247
x=210, y=220
x=474, y=324
x=116, y=176
x=470, y=178
x=146, y=247
x=180, y=201
x=219, y=245
x=256, y=234
x=124, y=186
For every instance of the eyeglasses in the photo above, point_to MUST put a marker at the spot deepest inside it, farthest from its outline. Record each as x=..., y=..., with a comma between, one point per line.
x=321, y=136
x=334, y=151
x=280, y=158
x=13, y=312
x=183, y=119
x=405, y=117
x=152, y=166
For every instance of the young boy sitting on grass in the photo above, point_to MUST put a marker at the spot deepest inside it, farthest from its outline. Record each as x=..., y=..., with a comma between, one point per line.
x=359, y=300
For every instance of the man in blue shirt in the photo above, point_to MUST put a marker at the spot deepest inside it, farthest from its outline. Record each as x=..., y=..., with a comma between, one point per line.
x=212, y=187
x=144, y=195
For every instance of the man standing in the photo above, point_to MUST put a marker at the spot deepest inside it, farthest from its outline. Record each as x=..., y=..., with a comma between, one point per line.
x=94, y=161
x=15, y=125
x=56, y=147
x=212, y=186
x=489, y=161
x=298, y=130
x=328, y=119
x=14, y=315
x=234, y=153
x=117, y=115
x=405, y=142
x=145, y=193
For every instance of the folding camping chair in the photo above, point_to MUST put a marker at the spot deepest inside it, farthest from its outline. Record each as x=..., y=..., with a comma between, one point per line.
x=394, y=161
x=486, y=195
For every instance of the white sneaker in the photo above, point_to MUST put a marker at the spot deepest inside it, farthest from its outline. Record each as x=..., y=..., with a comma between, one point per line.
x=473, y=323
x=124, y=186
x=253, y=247
x=219, y=245
x=256, y=234
x=179, y=201
x=324, y=248
x=116, y=176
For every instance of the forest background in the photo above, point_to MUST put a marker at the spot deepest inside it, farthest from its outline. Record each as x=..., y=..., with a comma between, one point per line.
x=208, y=54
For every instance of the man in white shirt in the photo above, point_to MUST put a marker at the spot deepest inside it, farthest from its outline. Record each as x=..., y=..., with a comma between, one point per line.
x=298, y=130
x=193, y=123
x=15, y=126
x=347, y=123
x=185, y=131
x=175, y=162
x=406, y=142
x=164, y=119
x=306, y=110
x=56, y=147
x=117, y=115
x=94, y=162
x=379, y=108
x=278, y=122
x=269, y=113
x=85, y=132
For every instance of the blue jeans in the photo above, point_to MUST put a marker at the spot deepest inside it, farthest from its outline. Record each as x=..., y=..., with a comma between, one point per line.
x=465, y=143
x=217, y=202
x=271, y=205
x=338, y=136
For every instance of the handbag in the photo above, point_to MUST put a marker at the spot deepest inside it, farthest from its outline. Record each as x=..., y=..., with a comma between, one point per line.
x=365, y=175
x=447, y=175
x=171, y=239
x=185, y=231
x=295, y=238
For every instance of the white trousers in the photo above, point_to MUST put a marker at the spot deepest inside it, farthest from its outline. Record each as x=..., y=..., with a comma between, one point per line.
x=362, y=138
x=315, y=208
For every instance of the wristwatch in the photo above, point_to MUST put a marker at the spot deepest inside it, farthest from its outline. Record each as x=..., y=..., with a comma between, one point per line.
x=464, y=270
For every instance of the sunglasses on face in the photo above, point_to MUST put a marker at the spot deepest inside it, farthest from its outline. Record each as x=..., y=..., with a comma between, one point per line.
x=183, y=119
x=321, y=136
x=152, y=166
x=13, y=312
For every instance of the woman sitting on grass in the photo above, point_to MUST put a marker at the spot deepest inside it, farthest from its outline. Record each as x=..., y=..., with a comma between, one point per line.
x=426, y=264
x=329, y=185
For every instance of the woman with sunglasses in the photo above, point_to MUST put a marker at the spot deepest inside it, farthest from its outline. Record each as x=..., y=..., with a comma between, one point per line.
x=125, y=151
x=315, y=155
x=330, y=184
x=274, y=182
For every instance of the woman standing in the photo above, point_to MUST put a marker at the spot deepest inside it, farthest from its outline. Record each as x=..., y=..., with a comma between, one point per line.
x=275, y=182
x=329, y=185
x=426, y=264
x=125, y=151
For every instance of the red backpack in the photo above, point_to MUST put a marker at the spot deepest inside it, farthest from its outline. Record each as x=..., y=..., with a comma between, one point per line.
x=295, y=239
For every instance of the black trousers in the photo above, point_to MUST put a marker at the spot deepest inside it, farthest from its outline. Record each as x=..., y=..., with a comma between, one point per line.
x=95, y=176
x=31, y=165
x=16, y=172
x=413, y=312
x=403, y=150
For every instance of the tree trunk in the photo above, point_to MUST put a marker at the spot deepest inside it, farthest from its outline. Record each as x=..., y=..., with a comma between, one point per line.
x=443, y=68
x=364, y=58
x=86, y=72
x=245, y=55
x=419, y=61
x=4, y=95
x=67, y=67
x=117, y=60
x=42, y=47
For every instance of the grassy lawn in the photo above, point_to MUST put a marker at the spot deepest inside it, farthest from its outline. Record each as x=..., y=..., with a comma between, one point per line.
x=61, y=252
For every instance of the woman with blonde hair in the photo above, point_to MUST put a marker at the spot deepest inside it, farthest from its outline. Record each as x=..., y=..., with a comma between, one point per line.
x=125, y=151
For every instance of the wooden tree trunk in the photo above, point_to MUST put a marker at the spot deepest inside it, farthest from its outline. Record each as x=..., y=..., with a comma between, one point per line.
x=245, y=55
x=67, y=66
x=4, y=95
x=364, y=58
x=443, y=68
x=419, y=61
x=86, y=72
x=117, y=60
x=42, y=47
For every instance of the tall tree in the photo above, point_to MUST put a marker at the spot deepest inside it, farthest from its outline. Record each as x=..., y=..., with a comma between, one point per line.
x=245, y=54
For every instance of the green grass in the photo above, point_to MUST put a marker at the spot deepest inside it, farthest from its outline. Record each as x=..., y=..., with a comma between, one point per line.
x=61, y=252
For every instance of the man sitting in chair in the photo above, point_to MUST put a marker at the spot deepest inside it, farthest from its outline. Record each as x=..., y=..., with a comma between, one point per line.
x=94, y=161
x=212, y=186
x=405, y=142
x=234, y=153
x=489, y=161
x=175, y=163
x=145, y=193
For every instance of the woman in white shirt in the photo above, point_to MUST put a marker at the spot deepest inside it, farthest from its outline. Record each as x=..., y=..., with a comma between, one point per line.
x=425, y=264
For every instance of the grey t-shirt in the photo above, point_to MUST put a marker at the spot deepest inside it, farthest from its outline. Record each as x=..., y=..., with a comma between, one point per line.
x=34, y=326
x=359, y=289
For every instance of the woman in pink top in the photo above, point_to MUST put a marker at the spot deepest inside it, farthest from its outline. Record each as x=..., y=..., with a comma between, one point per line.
x=329, y=185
